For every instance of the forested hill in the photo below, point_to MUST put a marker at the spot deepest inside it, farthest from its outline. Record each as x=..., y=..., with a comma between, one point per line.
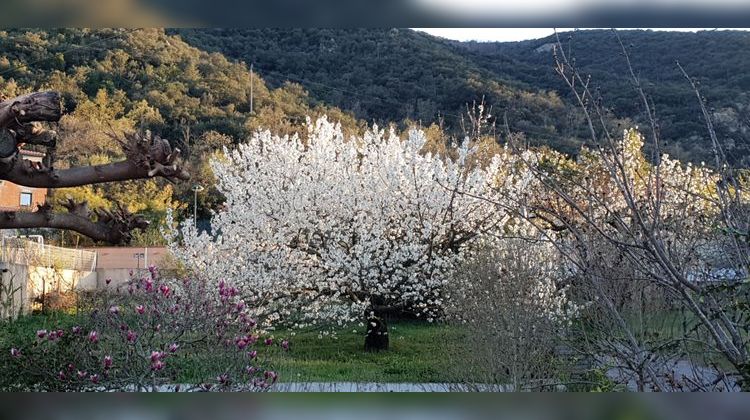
x=719, y=60
x=386, y=75
x=392, y=74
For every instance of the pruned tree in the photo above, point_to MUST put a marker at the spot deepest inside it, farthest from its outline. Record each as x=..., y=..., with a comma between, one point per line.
x=22, y=122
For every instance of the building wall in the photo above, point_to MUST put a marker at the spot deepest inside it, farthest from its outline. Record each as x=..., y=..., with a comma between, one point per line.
x=10, y=196
x=10, y=193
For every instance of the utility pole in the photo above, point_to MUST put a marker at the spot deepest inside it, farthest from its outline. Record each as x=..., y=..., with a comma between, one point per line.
x=196, y=188
x=251, y=88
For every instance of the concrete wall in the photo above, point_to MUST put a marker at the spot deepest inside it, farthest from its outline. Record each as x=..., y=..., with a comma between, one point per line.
x=30, y=282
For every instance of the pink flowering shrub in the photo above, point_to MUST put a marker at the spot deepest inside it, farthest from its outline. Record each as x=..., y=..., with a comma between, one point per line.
x=149, y=334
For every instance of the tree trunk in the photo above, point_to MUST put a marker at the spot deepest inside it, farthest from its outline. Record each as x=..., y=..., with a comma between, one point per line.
x=377, y=334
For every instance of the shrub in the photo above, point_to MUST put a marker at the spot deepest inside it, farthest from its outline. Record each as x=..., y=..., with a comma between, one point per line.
x=142, y=336
x=515, y=312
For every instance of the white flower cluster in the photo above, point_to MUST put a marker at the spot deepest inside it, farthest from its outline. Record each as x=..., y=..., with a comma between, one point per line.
x=326, y=228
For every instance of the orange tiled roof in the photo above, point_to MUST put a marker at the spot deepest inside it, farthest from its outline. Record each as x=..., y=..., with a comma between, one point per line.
x=31, y=153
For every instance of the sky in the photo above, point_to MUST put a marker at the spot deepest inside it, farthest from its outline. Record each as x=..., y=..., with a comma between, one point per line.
x=517, y=34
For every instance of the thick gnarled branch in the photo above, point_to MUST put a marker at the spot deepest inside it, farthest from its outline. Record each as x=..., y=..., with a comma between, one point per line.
x=114, y=227
x=147, y=156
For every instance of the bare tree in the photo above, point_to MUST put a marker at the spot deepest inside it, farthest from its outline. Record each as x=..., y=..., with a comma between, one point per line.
x=21, y=122
x=687, y=246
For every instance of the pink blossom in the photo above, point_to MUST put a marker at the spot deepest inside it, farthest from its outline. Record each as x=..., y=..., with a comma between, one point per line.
x=223, y=379
x=164, y=290
x=94, y=378
x=114, y=309
x=108, y=281
x=156, y=356
x=61, y=375
x=240, y=306
x=76, y=329
x=140, y=309
x=253, y=354
x=41, y=333
x=149, y=285
x=94, y=337
x=241, y=344
x=250, y=369
x=52, y=336
x=107, y=362
x=157, y=365
x=14, y=352
x=131, y=336
x=173, y=347
x=271, y=375
x=81, y=375
x=285, y=345
x=268, y=341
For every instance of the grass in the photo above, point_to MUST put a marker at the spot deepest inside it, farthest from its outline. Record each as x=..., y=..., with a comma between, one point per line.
x=419, y=352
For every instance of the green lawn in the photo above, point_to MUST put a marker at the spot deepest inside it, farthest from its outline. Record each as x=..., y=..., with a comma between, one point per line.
x=419, y=352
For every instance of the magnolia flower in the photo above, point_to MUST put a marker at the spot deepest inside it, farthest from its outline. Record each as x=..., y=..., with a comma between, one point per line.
x=61, y=375
x=107, y=362
x=223, y=379
x=156, y=355
x=241, y=344
x=285, y=345
x=140, y=309
x=14, y=352
x=94, y=378
x=108, y=281
x=76, y=330
x=41, y=333
x=173, y=347
x=164, y=290
x=268, y=341
x=114, y=309
x=157, y=365
x=253, y=354
x=131, y=336
x=94, y=337
x=81, y=374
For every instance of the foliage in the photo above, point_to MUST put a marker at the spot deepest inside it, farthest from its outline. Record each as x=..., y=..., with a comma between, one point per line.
x=115, y=80
x=510, y=299
x=134, y=338
x=325, y=229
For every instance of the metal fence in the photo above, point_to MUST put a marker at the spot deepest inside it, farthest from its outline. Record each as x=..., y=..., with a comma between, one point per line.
x=26, y=252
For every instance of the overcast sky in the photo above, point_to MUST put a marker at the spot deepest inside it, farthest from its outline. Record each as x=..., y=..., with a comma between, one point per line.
x=515, y=34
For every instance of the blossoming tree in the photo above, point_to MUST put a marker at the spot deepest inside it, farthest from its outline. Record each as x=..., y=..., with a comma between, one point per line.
x=328, y=230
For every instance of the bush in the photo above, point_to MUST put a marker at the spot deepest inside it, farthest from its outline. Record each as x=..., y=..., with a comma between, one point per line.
x=509, y=299
x=141, y=336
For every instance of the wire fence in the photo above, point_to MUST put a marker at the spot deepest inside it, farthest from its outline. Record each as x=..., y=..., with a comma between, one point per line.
x=26, y=252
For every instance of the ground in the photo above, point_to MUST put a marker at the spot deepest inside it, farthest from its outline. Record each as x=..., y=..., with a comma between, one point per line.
x=420, y=352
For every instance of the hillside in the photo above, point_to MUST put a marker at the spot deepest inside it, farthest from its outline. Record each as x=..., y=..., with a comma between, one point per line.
x=717, y=59
x=394, y=74
x=113, y=80
x=385, y=75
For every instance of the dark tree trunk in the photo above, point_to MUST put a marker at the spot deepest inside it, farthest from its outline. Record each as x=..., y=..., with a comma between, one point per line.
x=377, y=335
